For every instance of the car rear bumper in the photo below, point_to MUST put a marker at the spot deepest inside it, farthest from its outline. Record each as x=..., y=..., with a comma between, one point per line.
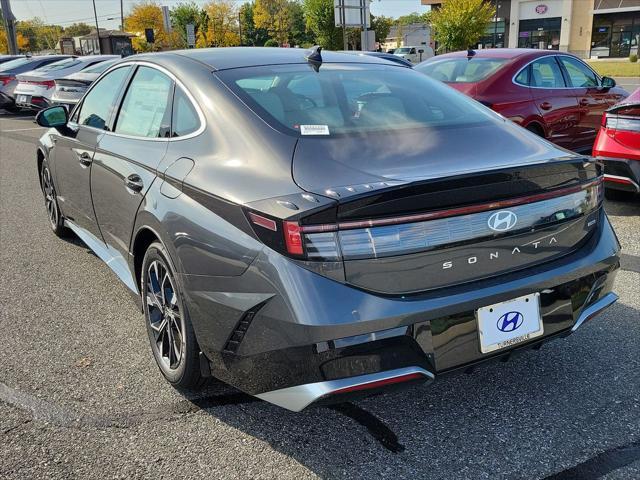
x=305, y=338
x=6, y=100
x=33, y=102
x=621, y=174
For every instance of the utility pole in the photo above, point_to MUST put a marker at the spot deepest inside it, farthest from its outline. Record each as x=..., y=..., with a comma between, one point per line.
x=121, y=16
x=95, y=13
x=9, y=26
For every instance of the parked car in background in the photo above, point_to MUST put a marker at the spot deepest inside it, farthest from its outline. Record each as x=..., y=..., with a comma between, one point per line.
x=556, y=95
x=618, y=146
x=70, y=89
x=414, y=54
x=308, y=225
x=385, y=56
x=8, y=58
x=9, y=70
x=35, y=88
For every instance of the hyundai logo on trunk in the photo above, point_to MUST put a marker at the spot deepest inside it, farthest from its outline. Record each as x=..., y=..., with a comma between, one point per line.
x=510, y=321
x=502, y=221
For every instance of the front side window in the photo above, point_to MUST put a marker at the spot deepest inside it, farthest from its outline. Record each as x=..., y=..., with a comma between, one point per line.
x=545, y=73
x=185, y=119
x=100, y=102
x=579, y=74
x=461, y=69
x=342, y=98
x=145, y=110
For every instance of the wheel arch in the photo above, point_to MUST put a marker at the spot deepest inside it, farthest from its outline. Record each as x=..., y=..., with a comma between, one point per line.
x=536, y=127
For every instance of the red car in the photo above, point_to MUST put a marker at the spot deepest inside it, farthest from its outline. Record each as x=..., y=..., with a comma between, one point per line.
x=618, y=146
x=551, y=93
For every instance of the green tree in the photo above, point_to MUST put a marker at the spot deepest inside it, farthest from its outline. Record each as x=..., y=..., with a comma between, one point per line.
x=251, y=35
x=459, y=24
x=223, y=23
x=274, y=16
x=184, y=14
x=298, y=30
x=382, y=26
x=77, y=30
x=412, y=18
x=321, y=22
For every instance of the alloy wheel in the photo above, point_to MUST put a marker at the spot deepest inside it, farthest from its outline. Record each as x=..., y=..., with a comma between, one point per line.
x=50, y=197
x=164, y=315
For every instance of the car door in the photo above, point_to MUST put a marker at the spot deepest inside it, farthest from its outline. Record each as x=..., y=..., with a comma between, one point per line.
x=592, y=100
x=74, y=151
x=556, y=104
x=126, y=159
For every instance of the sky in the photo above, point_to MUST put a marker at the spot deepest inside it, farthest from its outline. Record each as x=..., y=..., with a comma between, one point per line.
x=66, y=12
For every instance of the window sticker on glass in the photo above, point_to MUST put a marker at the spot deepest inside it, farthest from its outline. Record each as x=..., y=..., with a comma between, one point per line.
x=314, y=129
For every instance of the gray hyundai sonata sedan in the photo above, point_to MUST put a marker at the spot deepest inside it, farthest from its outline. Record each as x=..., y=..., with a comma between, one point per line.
x=308, y=226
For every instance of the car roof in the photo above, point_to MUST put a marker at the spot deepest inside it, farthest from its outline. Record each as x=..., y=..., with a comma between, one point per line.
x=239, y=57
x=509, y=53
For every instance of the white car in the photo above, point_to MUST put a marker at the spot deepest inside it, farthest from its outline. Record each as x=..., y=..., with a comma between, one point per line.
x=35, y=88
x=414, y=54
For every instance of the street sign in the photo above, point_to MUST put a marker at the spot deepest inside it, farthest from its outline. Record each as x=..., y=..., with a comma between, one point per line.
x=166, y=18
x=351, y=13
x=191, y=35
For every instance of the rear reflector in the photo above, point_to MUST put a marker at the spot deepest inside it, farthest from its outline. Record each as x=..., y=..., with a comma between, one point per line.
x=263, y=222
x=380, y=383
x=293, y=238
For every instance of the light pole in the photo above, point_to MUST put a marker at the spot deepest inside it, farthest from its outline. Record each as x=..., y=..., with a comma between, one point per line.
x=9, y=25
x=95, y=13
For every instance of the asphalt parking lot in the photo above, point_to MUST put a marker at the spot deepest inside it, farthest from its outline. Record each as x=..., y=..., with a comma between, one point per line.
x=81, y=397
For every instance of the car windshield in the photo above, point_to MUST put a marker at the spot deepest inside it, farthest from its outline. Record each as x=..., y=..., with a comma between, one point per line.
x=402, y=50
x=11, y=64
x=344, y=98
x=461, y=69
x=100, y=67
x=59, y=65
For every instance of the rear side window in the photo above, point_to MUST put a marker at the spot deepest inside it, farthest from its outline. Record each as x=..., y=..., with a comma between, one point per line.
x=523, y=77
x=342, y=98
x=100, y=102
x=545, y=73
x=145, y=110
x=185, y=118
x=579, y=74
x=11, y=64
x=461, y=70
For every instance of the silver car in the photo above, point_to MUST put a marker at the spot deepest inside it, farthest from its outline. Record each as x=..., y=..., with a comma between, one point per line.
x=70, y=89
x=35, y=88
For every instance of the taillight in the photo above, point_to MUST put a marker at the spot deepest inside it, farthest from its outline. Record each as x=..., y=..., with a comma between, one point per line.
x=293, y=238
x=6, y=79
x=617, y=122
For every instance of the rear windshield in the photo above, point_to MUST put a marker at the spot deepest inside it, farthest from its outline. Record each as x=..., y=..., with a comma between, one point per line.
x=344, y=98
x=402, y=50
x=100, y=67
x=461, y=69
x=11, y=64
x=59, y=65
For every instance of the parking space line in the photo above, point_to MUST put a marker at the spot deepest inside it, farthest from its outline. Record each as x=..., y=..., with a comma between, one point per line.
x=20, y=129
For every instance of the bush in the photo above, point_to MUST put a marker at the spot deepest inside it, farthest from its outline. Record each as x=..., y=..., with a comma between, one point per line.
x=271, y=43
x=633, y=58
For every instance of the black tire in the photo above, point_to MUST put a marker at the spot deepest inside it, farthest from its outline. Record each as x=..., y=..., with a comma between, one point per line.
x=171, y=336
x=618, y=195
x=56, y=220
x=535, y=129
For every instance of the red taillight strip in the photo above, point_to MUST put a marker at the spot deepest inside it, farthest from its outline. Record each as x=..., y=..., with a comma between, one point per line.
x=380, y=383
x=622, y=180
x=453, y=212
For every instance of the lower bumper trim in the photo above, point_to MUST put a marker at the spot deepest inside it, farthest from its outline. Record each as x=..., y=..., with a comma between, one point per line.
x=594, y=309
x=622, y=180
x=298, y=397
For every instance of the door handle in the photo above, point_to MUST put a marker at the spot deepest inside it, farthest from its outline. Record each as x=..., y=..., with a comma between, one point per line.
x=85, y=159
x=134, y=183
x=584, y=102
x=546, y=106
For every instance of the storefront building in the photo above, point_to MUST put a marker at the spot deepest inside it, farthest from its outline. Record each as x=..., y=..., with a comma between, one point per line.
x=587, y=28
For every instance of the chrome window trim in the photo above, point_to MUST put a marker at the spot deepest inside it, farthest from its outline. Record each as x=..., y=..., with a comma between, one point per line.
x=178, y=83
x=513, y=79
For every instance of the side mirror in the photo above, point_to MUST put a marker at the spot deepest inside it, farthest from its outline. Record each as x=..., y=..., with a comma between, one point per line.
x=56, y=117
x=608, y=82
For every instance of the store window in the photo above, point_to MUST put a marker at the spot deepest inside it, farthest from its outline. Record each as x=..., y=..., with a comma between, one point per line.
x=543, y=33
x=615, y=34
